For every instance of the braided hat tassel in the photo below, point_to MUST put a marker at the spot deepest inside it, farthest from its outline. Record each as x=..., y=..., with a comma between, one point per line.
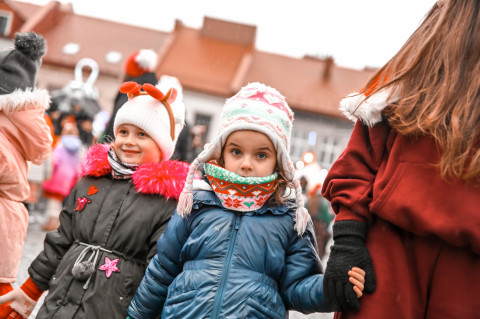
x=185, y=201
x=301, y=215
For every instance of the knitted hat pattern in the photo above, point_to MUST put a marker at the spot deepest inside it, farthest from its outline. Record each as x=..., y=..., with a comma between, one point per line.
x=161, y=116
x=256, y=107
x=18, y=73
x=140, y=62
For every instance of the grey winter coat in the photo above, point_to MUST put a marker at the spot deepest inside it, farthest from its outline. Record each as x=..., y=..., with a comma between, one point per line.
x=123, y=217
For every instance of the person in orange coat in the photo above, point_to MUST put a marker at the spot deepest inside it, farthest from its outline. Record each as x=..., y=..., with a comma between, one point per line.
x=24, y=137
x=406, y=190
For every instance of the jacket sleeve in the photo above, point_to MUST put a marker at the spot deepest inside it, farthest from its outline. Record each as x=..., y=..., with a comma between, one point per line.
x=302, y=283
x=56, y=244
x=36, y=131
x=163, y=269
x=168, y=210
x=349, y=183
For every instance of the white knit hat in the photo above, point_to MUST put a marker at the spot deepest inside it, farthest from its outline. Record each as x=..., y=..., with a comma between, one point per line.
x=160, y=116
x=260, y=108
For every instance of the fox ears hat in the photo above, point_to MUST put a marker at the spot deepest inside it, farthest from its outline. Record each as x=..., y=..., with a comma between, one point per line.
x=158, y=114
x=260, y=108
x=18, y=73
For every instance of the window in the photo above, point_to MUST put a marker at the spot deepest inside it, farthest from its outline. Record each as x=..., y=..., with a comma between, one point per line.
x=299, y=144
x=113, y=57
x=5, y=22
x=327, y=151
x=325, y=145
x=203, y=119
x=71, y=48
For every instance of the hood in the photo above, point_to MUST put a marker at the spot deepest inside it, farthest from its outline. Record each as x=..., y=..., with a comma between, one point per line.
x=357, y=106
x=25, y=111
x=20, y=100
x=165, y=178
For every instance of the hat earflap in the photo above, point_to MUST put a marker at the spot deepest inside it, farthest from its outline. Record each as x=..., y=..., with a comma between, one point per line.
x=301, y=214
x=185, y=201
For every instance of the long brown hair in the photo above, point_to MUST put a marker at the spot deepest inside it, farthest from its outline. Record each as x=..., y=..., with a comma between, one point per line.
x=437, y=75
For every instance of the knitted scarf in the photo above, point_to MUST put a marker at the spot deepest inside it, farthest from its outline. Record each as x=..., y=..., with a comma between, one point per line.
x=240, y=193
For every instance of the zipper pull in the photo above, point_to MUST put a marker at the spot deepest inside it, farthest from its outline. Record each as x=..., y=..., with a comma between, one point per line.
x=237, y=221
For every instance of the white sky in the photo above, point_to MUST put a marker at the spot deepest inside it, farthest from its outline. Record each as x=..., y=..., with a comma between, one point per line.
x=357, y=33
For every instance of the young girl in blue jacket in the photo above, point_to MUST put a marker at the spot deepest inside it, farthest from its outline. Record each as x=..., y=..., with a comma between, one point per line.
x=241, y=244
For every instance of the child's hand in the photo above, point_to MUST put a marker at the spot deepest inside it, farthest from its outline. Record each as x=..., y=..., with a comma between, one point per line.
x=357, y=278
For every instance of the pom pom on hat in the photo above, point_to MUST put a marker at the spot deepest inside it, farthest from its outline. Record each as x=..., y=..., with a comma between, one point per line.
x=18, y=74
x=140, y=62
x=260, y=108
x=18, y=66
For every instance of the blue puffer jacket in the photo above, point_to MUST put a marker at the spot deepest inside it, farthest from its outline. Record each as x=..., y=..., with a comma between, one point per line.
x=218, y=263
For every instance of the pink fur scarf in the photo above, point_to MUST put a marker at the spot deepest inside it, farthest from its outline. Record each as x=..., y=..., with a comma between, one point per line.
x=164, y=178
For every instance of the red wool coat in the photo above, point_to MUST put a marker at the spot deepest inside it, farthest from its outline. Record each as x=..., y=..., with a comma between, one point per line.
x=395, y=177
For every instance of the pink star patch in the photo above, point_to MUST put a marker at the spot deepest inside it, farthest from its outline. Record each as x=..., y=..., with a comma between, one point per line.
x=109, y=266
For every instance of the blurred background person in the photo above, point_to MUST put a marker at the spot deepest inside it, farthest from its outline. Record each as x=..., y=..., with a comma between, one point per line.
x=198, y=139
x=66, y=160
x=311, y=177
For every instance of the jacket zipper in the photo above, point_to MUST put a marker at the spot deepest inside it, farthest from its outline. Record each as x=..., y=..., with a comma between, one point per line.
x=228, y=262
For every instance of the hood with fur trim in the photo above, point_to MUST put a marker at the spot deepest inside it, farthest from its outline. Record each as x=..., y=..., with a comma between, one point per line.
x=165, y=178
x=20, y=100
x=368, y=109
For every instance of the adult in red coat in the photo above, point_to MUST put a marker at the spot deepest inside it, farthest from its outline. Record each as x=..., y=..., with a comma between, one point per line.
x=406, y=189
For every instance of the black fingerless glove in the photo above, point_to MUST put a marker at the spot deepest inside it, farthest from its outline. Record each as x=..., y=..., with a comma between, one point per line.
x=347, y=251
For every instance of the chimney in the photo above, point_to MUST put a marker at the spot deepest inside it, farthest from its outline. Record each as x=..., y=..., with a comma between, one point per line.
x=327, y=70
x=178, y=24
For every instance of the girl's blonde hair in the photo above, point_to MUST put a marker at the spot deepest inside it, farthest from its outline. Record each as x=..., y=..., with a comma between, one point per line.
x=437, y=73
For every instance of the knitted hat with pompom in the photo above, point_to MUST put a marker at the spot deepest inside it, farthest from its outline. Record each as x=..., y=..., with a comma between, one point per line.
x=260, y=108
x=140, y=62
x=18, y=73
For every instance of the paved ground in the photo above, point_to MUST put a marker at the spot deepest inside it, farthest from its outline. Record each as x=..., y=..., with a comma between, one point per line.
x=34, y=245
